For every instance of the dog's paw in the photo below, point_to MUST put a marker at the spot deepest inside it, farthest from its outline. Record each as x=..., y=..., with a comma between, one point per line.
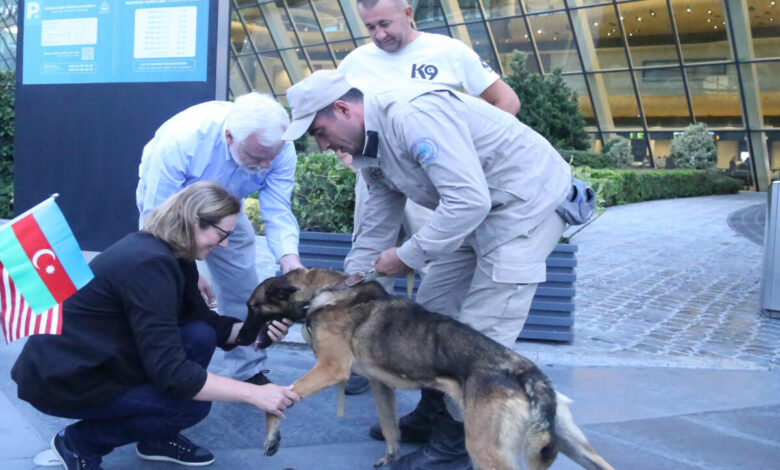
x=272, y=443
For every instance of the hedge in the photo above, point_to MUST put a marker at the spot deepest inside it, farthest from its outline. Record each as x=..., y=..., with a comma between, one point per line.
x=618, y=187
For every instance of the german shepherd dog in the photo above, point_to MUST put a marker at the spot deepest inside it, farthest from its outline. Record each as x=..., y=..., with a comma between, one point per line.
x=510, y=407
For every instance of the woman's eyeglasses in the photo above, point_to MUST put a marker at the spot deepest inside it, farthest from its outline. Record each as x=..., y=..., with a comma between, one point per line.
x=225, y=233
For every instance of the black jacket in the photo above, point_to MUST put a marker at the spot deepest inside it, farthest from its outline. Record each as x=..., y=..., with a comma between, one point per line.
x=121, y=330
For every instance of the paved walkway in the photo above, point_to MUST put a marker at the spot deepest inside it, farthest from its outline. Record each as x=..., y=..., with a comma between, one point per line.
x=672, y=365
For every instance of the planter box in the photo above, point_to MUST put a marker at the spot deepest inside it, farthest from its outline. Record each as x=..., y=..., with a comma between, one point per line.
x=552, y=309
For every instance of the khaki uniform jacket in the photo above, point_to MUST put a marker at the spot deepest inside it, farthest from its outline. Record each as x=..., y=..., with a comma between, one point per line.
x=480, y=169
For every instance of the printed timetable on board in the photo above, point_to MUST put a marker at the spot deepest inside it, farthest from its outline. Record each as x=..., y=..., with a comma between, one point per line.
x=115, y=41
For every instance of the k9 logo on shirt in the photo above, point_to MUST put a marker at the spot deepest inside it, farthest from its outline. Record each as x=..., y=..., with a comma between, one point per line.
x=424, y=71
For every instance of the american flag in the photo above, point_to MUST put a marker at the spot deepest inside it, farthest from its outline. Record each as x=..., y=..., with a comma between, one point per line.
x=18, y=319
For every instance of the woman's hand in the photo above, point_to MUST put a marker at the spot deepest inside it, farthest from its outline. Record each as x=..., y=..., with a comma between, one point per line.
x=205, y=290
x=277, y=330
x=274, y=399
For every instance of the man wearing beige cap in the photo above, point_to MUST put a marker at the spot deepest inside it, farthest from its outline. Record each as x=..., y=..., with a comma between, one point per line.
x=494, y=186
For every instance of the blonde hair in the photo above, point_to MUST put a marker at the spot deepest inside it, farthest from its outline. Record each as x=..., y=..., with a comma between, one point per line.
x=174, y=220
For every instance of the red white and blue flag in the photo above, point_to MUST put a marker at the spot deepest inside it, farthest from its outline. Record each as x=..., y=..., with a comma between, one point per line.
x=42, y=265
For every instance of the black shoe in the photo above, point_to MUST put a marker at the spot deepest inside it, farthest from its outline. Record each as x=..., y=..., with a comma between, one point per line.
x=356, y=384
x=417, y=425
x=445, y=451
x=178, y=450
x=69, y=458
x=259, y=378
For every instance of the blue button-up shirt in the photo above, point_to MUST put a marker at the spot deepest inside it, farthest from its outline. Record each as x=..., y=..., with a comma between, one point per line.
x=191, y=147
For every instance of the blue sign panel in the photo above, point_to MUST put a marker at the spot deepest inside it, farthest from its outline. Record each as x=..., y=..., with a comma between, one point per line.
x=111, y=41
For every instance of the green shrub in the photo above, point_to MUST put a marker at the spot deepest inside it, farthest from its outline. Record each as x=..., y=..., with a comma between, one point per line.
x=323, y=198
x=694, y=148
x=618, y=187
x=7, y=84
x=619, y=149
x=581, y=158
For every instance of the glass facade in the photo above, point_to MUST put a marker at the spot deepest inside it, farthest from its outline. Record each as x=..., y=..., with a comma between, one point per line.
x=643, y=69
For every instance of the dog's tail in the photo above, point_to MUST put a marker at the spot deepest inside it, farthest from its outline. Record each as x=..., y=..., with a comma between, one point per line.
x=538, y=439
x=572, y=441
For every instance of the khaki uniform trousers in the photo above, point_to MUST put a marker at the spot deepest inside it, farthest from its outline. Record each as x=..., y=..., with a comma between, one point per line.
x=492, y=293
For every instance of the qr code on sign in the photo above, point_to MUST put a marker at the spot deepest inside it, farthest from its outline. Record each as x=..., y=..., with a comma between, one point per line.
x=87, y=53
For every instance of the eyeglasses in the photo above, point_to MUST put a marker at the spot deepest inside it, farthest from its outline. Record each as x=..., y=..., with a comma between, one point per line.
x=225, y=233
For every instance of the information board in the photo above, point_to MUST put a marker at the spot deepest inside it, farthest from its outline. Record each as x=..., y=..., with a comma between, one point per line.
x=115, y=41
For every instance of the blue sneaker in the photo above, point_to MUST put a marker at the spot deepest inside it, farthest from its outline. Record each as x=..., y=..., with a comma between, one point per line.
x=69, y=458
x=179, y=450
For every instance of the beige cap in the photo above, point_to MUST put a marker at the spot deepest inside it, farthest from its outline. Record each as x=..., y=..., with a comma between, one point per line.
x=315, y=92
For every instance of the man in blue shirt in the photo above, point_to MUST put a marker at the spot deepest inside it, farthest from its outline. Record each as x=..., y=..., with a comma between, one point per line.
x=239, y=146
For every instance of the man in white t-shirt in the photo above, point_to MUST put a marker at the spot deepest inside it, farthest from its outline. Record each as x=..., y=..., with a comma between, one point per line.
x=398, y=54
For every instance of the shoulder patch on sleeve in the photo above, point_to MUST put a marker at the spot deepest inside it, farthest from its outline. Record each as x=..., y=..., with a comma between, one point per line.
x=485, y=65
x=424, y=150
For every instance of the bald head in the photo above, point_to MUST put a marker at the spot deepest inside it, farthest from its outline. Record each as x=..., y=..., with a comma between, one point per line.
x=389, y=23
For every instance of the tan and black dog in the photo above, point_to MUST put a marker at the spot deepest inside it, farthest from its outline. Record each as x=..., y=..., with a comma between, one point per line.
x=510, y=407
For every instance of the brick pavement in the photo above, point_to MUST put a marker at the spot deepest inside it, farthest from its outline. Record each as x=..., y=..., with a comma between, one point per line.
x=670, y=283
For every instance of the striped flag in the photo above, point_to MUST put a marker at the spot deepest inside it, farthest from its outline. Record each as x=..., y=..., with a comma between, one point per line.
x=42, y=257
x=18, y=319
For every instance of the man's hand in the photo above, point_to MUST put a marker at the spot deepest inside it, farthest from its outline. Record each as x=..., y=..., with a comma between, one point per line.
x=205, y=290
x=290, y=262
x=389, y=264
x=346, y=159
x=277, y=330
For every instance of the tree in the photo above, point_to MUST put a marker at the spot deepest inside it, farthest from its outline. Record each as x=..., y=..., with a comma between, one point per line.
x=619, y=148
x=7, y=84
x=694, y=148
x=548, y=105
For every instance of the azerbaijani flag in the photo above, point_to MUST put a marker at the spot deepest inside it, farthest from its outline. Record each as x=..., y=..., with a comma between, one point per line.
x=42, y=257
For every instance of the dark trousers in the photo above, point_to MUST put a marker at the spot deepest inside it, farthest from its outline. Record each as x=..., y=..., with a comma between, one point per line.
x=142, y=413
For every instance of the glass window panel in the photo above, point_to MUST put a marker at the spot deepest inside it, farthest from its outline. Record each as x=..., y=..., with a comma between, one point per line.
x=501, y=8
x=439, y=30
x=765, y=28
x=662, y=94
x=555, y=42
x=341, y=49
x=279, y=24
x=475, y=36
x=602, y=46
x=620, y=97
x=510, y=35
x=715, y=95
x=768, y=89
x=277, y=74
x=238, y=37
x=577, y=85
x=733, y=155
x=428, y=14
x=319, y=57
x=461, y=11
x=532, y=6
x=256, y=29
x=244, y=3
x=236, y=81
x=648, y=30
x=701, y=26
x=305, y=24
x=254, y=74
x=332, y=19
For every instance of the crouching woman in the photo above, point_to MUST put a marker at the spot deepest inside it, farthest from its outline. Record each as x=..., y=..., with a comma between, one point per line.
x=131, y=361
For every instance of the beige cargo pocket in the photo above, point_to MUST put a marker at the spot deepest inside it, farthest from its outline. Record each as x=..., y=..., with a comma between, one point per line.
x=519, y=273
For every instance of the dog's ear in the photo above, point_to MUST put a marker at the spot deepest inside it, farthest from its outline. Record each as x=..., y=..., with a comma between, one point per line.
x=281, y=290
